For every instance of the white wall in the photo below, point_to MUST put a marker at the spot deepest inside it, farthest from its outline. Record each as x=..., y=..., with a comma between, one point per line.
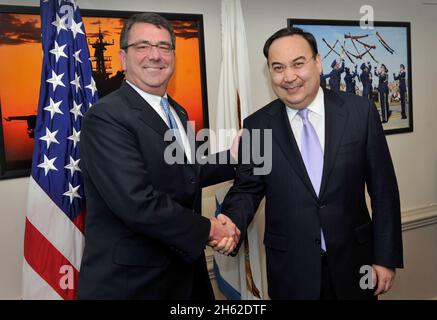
x=13, y=195
x=414, y=154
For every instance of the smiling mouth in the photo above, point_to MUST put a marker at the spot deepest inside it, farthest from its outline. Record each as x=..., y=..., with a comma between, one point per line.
x=294, y=88
x=154, y=67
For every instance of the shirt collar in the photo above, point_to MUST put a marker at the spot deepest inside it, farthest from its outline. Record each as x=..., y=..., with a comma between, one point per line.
x=317, y=105
x=151, y=99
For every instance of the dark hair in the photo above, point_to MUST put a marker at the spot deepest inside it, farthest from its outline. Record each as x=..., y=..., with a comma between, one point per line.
x=146, y=17
x=285, y=32
x=402, y=66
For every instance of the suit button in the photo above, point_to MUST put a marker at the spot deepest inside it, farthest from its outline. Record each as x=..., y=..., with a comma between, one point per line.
x=321, y=205
x=318, y=242
x=193, y=181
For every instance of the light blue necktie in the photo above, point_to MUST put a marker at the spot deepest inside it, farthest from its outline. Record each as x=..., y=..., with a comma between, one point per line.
x=171, y=120
x=312, y=155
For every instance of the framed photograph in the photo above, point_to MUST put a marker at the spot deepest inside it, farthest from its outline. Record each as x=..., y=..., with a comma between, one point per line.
x=371, y=62
x=21, y=53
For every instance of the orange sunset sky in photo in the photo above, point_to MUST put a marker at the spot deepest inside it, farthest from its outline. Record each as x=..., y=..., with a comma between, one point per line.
x=20, y=74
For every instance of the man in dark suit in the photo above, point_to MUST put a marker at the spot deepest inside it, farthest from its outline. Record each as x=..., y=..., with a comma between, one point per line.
x=335, y=74
x=145, y=238
x=383, y=89
x=402, y=89
x=326, y=147
x=366, y=80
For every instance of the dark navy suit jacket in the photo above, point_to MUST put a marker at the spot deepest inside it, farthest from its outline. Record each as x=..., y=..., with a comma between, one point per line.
x=144, y=235
x=356, y=155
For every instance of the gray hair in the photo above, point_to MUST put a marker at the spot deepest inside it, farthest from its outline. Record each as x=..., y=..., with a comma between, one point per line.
x=146, y=17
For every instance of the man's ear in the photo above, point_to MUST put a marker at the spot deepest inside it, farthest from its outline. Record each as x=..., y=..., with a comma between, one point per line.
x=122, y=58
x=318, y=62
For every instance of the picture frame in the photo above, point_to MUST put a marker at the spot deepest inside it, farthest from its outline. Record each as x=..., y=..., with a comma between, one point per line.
x=363, y=48
x=20, y=45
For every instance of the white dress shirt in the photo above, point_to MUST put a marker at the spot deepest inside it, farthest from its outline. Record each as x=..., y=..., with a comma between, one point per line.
x=316, y=116
x=155, y=102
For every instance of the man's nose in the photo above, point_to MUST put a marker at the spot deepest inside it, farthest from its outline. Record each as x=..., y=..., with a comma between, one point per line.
x=289, y=74
x=154, y=53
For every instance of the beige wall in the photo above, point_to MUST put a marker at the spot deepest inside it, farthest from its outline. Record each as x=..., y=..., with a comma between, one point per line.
x=414, y=154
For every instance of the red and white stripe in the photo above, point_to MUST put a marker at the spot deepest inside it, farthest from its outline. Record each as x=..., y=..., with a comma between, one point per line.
x=51, y=242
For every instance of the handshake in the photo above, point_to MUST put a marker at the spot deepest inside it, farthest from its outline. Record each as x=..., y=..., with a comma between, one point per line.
x=224, y=234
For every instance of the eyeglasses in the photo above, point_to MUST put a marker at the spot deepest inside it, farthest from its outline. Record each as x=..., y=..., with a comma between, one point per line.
x=146, y=47
x=297, y=65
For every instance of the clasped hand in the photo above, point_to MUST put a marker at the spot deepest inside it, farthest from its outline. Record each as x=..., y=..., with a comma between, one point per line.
x=224, y=235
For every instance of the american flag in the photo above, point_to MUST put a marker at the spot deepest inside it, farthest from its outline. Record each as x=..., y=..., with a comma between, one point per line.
x=54, y=238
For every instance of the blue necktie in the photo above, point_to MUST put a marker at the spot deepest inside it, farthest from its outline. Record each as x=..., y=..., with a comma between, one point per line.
x=171, y=120
x=312, y=155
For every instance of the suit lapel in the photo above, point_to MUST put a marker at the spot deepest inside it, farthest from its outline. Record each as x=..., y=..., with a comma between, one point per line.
x=335, y=124
x=150, y=117
x=183, y=117
x=180, y=112
x=283, y=134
